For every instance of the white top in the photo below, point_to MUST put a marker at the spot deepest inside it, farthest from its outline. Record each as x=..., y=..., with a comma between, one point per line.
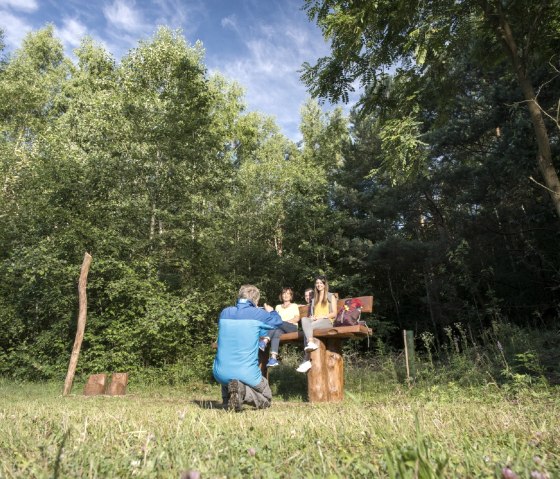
x=287, y=314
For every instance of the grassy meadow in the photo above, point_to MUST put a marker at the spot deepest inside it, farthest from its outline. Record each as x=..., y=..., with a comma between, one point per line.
x=382, y=429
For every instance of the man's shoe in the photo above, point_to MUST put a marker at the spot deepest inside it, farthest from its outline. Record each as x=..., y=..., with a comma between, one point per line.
x=311, y=346
x=262, y=344
x=272, y=362
x=236, y=394
x=304, y=367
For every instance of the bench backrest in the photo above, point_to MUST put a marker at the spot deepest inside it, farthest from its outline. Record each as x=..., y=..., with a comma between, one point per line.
x=367, y=305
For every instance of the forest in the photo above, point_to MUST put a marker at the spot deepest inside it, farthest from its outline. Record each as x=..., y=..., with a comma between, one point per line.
x=438, y=194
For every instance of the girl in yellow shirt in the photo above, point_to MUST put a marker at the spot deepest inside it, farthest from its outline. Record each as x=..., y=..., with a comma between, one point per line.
x=322, y=313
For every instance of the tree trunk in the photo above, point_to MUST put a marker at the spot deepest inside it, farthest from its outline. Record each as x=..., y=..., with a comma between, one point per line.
x=544, y=156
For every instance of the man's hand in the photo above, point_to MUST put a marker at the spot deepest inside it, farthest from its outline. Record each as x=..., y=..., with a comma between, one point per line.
x=268, y=308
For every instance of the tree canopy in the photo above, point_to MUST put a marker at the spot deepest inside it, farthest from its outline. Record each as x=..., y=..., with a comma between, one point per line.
x=421, y=196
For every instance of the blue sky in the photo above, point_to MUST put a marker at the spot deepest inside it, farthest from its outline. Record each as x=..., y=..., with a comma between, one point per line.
x=259, y=43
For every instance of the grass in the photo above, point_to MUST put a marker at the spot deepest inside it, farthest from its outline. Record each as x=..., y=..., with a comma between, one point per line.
x=382, y=429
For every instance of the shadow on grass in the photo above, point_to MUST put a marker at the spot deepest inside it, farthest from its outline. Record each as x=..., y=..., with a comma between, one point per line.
x=56, y=472
x=205, y=404
x=288, y=384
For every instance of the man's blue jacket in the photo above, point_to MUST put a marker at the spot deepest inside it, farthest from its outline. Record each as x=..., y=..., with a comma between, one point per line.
x=239, y=329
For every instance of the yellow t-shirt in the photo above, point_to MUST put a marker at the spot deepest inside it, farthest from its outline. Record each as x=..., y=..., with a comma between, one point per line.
x=287, y=314
x=321, y=310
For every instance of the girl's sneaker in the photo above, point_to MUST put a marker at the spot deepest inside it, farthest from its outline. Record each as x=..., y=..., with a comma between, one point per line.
x=311, y=346
x=263, y=343
x=272, y=362
x=304, y=367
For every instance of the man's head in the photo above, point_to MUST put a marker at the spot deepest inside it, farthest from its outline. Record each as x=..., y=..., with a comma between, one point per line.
x=308, y=294
x=250, y=292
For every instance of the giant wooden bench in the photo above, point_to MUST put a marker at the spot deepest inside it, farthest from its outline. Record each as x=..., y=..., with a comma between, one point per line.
x=325, y=379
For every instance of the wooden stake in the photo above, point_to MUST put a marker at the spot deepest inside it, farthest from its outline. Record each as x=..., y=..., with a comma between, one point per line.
x=82, y=314
x=406, y=356
x=411, y=353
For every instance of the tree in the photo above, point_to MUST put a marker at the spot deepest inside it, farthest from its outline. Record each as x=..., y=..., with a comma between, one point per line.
x=420, y=41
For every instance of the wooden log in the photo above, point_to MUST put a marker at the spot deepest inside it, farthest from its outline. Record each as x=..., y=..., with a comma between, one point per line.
x=317, y=389
x=335, y=370
x=96, y=384
x=119, y=381
x=263, y=360
x=82, y=314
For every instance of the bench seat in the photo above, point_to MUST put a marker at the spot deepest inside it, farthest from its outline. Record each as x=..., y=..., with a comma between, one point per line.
x=345, y=332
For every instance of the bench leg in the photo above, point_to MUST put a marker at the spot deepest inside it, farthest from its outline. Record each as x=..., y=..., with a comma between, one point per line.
x=325, y=379
x=335, y=370
x=263, y=360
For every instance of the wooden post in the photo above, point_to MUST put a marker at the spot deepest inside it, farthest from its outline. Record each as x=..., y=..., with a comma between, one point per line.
x=317, y=376
x=411, y=353
x=82, y=314
x=406, y=356
x=335, y=370
x=408, y=337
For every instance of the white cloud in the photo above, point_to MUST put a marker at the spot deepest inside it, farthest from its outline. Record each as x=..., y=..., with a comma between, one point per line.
x=178, y=12
x=15, y=29
x=22, y=5
x=230, y=22
x=72, y=32
x=182, y=14
x=123, y=16
x=269, y=71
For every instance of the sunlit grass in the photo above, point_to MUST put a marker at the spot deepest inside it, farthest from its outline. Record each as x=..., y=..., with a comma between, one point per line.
x=163, y=433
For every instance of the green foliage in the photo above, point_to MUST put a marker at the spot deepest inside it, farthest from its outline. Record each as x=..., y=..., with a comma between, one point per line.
x=420, y=198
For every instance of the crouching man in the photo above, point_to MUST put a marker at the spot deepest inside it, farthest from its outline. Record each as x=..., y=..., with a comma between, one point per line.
x=236, y=366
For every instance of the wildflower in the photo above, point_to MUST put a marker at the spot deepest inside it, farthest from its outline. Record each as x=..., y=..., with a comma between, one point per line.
x=192, y=474
x=500, y=346
x=507, y=473
x=251, y=451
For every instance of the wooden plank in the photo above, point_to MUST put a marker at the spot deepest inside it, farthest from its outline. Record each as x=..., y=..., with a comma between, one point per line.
x=358, y=331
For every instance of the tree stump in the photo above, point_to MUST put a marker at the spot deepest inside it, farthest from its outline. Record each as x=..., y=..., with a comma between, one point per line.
x=335, y=370
x=96, y=384
x=317, y=379
x=325, y=379
x=119, y=381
